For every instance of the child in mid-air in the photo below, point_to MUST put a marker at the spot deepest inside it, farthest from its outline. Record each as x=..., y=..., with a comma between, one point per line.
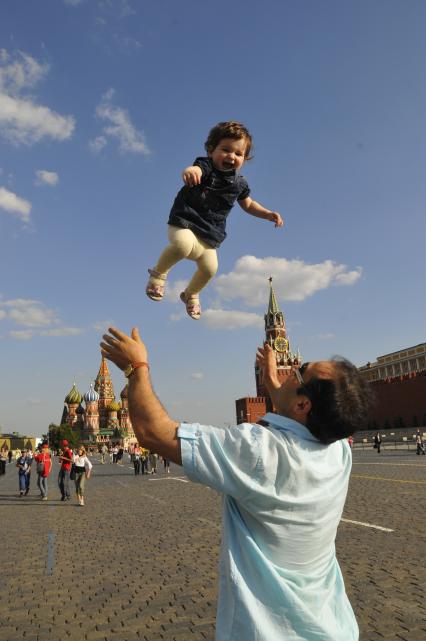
x=197, y=220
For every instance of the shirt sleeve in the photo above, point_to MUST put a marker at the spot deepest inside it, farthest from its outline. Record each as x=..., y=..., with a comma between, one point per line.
x=204, y=164
x=87, y=464
x=245, y=189
x=224, y=459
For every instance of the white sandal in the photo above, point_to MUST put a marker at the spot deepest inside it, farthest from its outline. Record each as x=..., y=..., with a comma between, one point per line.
x=155, y=291
x=192, y=304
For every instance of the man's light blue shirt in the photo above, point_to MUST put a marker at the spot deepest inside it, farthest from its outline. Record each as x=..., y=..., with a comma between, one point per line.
x=284, y=494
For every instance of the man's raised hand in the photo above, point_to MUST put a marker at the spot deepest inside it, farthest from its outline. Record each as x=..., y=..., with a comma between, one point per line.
x=266, y=360
x=122, y=349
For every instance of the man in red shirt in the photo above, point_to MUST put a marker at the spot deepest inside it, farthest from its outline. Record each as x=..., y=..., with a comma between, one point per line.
x=43, y=466
x=65, y=460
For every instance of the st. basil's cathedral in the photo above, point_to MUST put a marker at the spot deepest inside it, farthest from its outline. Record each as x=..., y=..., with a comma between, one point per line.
x=101, y=419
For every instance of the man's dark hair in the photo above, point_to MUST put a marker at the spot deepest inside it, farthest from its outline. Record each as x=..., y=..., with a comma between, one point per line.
x=230, y=129
x=340, y=405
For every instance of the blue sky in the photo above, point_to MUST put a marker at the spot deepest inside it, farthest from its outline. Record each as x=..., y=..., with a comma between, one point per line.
x=103, y=103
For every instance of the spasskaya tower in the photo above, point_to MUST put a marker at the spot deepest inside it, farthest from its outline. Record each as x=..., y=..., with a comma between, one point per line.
x=250, y=409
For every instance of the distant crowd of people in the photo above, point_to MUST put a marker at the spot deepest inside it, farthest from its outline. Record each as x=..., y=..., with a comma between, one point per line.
x=75, y=465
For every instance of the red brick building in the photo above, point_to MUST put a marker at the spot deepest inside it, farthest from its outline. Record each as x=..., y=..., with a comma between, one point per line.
x=250, y=409
x=399, y=383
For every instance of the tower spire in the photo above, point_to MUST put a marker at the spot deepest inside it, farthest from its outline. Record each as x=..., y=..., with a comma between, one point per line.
x=273, y=305
x=103, y=385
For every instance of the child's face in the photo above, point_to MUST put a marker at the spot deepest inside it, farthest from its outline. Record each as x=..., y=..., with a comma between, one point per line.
x=229, y=154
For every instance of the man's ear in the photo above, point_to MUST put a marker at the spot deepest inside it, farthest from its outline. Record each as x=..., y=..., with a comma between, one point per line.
x=302, y=406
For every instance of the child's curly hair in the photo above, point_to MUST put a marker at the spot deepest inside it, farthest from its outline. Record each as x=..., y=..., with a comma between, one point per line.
x=229, y=129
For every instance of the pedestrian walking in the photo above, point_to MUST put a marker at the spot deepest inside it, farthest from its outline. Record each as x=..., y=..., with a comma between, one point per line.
x=137, y=459
x=420, y=448
x=65, y=458
x=104, y=452
x=3, y=460
x=43, y=467
x=23, y=464
x=377, y=442
x=10, y=456
x=83, y=469
x=144, y=461
x=153, y=458
x=166, y=464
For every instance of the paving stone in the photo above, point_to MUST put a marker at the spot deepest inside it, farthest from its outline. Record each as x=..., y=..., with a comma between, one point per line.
x=140, y=561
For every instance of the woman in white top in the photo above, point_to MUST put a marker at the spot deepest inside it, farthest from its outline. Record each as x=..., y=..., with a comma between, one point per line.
x=83, y=468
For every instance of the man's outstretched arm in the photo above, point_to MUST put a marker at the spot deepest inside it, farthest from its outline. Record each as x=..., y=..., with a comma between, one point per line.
x=153, y=427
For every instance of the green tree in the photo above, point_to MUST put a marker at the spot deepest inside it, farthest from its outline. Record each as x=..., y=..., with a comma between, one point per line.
x=415, y=421
x=58, y=433
x=387, y=425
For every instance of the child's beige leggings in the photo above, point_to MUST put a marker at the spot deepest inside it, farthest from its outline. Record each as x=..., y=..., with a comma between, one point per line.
x=185, y=244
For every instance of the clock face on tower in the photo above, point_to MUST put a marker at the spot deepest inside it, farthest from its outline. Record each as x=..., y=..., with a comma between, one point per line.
x=281, y=344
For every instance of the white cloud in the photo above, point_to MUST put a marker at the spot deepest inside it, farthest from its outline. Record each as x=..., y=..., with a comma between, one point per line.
x=22, y=121
x=73, y=3
x=325, y=336
x=177, y=316
x=348, y=278
x=293, y=279
x=228, y=319
x=13, y=204
x=127, y=44
x=174, y=289
x=27, y=334
x=20, y=72
x=62, y=331
x=103, y=325
x=44, y=177
x=119, y=126
x=97, y=144
x=21, y=334
x=29, y=313
x=33, y=401
x=35, y=317
x=126, y=9
x=198, y=376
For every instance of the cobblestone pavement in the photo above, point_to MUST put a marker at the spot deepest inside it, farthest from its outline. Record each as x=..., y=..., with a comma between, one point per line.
x=139, y=561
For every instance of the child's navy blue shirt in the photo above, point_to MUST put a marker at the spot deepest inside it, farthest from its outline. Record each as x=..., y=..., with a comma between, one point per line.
x=204, y=208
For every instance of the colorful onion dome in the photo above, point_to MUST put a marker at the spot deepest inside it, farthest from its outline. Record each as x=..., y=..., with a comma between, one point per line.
x=74, y=396
x=92, y=395
x=113, y=407
x=80, y=409
x=125, y=392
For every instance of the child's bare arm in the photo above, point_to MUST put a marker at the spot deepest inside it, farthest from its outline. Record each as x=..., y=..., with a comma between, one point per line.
x=254, y=208
x=192, y=176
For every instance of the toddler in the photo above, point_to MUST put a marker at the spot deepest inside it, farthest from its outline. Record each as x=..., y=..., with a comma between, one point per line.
x=197, y=219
